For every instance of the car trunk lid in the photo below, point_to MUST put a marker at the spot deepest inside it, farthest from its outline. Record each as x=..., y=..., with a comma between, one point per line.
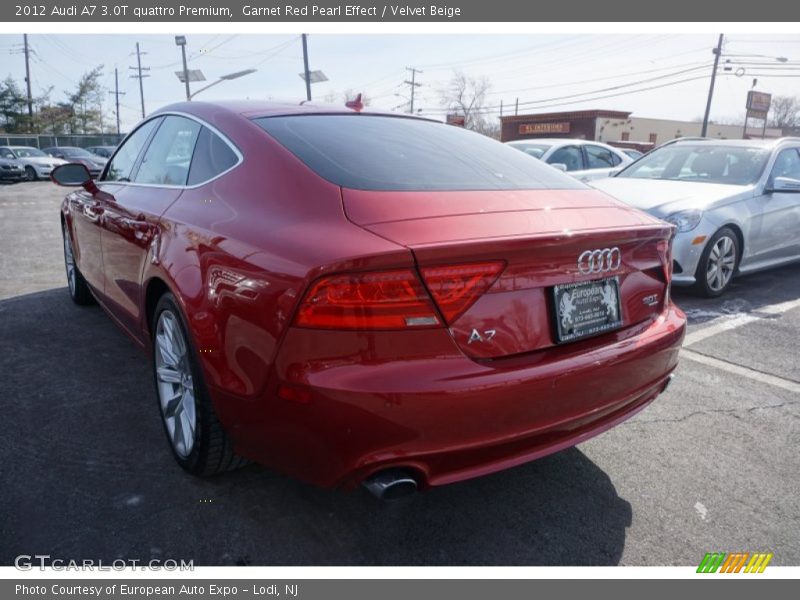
x=539, y=236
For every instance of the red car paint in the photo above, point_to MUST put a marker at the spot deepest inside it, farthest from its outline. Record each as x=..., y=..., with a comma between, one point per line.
x=333, y=406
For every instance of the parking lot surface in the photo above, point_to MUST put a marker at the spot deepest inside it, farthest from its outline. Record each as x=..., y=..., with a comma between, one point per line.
x=712, y=465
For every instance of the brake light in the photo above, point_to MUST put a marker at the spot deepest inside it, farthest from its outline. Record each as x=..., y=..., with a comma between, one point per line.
x=381, y=300
x=664, y=248
x=456, y=288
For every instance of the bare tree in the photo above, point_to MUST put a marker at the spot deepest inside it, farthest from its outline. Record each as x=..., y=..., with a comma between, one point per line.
x=785, y=111
x=466, y=96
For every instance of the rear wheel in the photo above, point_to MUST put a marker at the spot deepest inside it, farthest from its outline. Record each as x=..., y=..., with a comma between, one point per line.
x=718, y=263
x=78, y=288
x=196, y=437
x=30, y=173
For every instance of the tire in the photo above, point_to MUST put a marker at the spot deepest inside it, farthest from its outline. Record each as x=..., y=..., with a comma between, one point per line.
x=196, y=437
x=78, y=288
x=718, y=264
x=31, y=173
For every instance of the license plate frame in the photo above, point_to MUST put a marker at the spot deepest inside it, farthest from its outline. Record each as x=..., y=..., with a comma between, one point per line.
x=591, y=308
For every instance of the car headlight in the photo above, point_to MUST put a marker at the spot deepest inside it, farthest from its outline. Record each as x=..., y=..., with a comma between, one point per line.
x=685, y=220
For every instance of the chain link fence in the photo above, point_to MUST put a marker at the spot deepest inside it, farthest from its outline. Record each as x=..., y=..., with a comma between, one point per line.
x=47, y=141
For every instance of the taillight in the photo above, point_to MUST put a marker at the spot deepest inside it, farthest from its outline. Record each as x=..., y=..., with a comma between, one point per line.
x=381, y=300
x=455, y=288
x=665, y=254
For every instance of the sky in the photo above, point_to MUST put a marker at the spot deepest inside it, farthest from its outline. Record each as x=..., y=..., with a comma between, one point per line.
x=544, y=72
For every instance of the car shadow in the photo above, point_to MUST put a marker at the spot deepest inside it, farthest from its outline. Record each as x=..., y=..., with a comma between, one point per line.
x=88, y=475
x=747, y=294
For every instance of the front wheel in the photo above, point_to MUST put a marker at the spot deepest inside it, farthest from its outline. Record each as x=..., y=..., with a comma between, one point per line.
x=198, y=442
x=30, y=173
x=717, y=264
x=78, y=288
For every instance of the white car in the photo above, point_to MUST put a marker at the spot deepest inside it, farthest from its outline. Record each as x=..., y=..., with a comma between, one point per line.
x=735, y=204
x=37, y=164
x=584, y=160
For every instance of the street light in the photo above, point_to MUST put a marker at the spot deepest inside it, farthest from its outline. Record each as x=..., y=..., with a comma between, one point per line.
x=222, y=78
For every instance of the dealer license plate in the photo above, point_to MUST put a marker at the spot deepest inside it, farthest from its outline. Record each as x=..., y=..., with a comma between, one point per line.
x=586, y=308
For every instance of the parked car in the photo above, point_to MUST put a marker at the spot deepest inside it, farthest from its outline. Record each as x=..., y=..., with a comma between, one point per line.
x=736, y=205
x=11, y=169
x=334, y=295
x=102, y=151
x=584, y=160
x=73, y=154
x=35, y=163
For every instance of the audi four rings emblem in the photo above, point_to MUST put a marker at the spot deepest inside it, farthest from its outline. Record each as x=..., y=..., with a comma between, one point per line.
x=600, y=261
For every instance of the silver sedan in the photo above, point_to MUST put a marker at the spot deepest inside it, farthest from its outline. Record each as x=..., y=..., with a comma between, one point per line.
x=735, y=203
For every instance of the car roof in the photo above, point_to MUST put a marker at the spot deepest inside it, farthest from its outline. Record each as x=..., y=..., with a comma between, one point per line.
x=253, y=109
x=765, y=143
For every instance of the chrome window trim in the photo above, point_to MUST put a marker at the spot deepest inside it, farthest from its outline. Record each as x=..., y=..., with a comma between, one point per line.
x=203, y=123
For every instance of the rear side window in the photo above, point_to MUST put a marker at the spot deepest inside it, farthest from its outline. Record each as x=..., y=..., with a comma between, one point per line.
x=167, y=159
x=598, y=157
x=372, y=152
x=121, y=167
x=212, y=156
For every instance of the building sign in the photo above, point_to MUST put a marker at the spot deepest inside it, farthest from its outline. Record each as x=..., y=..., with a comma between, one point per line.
x=457, y=120
x=534, y=128
x=758, y=104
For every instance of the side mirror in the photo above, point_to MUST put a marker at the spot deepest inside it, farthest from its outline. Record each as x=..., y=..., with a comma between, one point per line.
x=785, y=184
x=559, y=166
x=71, y=175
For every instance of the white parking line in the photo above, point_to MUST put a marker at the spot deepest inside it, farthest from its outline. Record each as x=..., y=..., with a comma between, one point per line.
x=773, y=380
x=728, y=323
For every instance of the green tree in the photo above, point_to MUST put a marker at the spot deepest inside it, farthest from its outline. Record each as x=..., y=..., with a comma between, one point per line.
x=13, y=108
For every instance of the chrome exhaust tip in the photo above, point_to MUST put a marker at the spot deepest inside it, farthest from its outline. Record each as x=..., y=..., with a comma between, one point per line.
x=391, y=484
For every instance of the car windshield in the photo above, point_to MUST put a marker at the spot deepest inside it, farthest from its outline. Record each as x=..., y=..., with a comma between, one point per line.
x=735, y=165
x=535, y=150
x=28, y=152
x=373, y=152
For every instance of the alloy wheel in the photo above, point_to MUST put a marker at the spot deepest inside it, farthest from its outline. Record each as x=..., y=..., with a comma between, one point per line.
x=69, y=263
x=175, y=384
x=721, y=263
x=30, y=173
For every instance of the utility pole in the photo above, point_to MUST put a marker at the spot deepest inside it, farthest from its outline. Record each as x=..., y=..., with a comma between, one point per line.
x=28, y=78
x=117, y=94
x=717, y=52
x=140, y=76
x=413, y=84
x=305, y=66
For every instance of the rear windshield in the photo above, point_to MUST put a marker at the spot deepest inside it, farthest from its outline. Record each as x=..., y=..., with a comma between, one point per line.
x=370, y=152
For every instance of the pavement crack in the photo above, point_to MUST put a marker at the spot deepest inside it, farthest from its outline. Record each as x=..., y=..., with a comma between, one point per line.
x=733, y=412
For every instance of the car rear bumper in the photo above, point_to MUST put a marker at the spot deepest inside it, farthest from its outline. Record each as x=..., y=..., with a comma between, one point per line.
x=448, y=419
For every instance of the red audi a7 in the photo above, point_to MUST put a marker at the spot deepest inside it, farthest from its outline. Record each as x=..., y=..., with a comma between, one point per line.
x=353, y=297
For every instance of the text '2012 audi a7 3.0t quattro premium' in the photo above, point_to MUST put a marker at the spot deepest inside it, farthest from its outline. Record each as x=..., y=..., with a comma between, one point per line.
x=354, y=297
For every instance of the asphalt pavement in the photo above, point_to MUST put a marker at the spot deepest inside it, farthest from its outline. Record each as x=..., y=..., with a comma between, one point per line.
x=712, y=465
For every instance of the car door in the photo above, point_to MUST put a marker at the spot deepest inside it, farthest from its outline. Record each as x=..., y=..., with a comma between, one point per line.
x=132, y=221
x=775, y=230
x=569, y=156
x=600, y=162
